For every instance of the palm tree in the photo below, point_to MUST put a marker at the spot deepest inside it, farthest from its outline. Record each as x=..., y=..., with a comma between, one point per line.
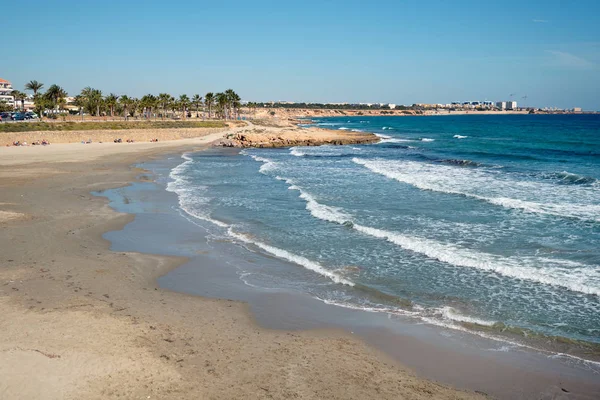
x=221, y=102
x=147, y=104
x=209, y=101
x=125, y=102
x=197, y=100
x=230, y=96
x=55, y=94
x=91, y=100
x=163, y=101
x=20, y=96
x=34, y=86
x=111, y=102
x=184, y=102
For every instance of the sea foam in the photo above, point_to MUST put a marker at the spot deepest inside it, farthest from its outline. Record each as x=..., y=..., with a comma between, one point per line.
x=491, y=187
x=294, y=258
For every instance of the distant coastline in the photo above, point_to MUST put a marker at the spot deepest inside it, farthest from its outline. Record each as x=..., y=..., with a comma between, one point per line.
x=303, y=113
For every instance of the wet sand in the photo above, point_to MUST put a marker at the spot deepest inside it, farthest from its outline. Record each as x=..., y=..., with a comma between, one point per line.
x=81, y=321
x=218, y=268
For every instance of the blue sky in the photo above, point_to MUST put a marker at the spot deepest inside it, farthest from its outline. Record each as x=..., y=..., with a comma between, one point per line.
x=336, y=51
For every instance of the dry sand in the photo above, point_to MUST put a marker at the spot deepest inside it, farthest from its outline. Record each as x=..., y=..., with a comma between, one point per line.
x=82, y=322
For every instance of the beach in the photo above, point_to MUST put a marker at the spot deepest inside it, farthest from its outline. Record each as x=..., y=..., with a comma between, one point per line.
x=81, y=321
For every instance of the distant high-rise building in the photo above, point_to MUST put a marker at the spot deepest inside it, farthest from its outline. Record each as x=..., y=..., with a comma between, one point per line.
x=501, y=105
x=511, y=105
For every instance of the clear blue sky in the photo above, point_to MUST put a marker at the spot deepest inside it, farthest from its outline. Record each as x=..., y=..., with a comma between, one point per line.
x=331, y=51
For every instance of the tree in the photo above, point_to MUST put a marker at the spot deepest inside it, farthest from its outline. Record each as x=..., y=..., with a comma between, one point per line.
x=5, y=107
x=20, y=96
x=92, y=100
x=125, y=102
x=209, y=101
x=221, y=103
x=164, y=100
x=55, y=94
x=111, y=102
x=230, y=95
x=147, y=103
x=41, y=103
x=184, y=102
x=197, y=100
x=34, y=86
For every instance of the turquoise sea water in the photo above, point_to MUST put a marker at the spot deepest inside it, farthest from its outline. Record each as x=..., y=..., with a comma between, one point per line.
x=489, y=223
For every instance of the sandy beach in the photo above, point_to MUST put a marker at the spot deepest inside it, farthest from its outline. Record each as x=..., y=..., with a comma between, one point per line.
x=81, y=321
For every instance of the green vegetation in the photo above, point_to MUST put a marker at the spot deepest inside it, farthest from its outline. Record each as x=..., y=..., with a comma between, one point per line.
x=90, y=101
x=111, y=125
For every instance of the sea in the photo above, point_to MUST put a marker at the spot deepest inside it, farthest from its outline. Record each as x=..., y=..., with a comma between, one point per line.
x=486, y=224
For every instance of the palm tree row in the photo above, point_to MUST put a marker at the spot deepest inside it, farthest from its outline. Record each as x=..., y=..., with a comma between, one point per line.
x=225, y=105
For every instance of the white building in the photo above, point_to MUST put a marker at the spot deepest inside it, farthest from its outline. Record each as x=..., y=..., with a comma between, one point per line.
x=6, y=92
x=511, y=105
x=392, y=106
x=501, y=105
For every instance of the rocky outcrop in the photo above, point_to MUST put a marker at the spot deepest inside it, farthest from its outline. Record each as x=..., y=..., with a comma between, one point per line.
x=270, y=138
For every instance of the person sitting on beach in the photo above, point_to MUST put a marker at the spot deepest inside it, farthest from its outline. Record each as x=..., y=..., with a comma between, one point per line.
x=45, y=142
x=16, y=143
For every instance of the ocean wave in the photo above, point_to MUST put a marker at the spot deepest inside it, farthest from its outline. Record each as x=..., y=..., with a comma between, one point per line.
x=387, y=128
x=459, y=137
x=461, y=163
x=324, y=151
x=343, y=128
x=268, y=165
x=489, y=187
x=452, y=314
x=574, y=279
x=294, y=258
x=427, y=140
x=295, y=152
x=569, y=178
x=189, y=200
x=321, y=211
x=577, y=279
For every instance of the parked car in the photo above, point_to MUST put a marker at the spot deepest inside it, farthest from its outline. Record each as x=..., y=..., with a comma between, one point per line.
x=19, y=117
x=31, y=115
x=5, y=116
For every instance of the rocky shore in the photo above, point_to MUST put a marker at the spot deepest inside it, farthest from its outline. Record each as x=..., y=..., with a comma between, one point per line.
x=270, y=137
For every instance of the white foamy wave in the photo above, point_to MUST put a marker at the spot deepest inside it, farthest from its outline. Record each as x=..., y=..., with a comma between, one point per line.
x=459, y=137
x=268, y=165
x=343, y=128
x=390, y=139
x=295, y=152
x=427, y=140
x=492, y=187
x=583, y=280
x=387, y=128
x=357, y=130
x=294, y=258
x=189, y=199
x=321, y=211
x=451, y=314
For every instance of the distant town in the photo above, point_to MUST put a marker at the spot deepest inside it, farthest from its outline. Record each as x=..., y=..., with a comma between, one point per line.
x=14, y=100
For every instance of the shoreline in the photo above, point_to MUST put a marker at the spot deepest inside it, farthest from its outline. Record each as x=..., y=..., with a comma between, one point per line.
x=113, y=332
x=188, y=280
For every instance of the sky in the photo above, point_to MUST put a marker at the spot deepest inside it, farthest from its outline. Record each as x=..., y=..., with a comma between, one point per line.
x=544, y=53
